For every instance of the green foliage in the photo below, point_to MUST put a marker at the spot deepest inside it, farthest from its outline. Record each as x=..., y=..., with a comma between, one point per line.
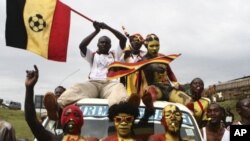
x=231, y=104
x=17, y=119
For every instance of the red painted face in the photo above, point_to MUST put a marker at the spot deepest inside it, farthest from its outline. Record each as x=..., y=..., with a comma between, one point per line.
x=72, y=120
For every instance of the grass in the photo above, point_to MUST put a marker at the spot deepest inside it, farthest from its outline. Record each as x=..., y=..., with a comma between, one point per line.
x=16, y=118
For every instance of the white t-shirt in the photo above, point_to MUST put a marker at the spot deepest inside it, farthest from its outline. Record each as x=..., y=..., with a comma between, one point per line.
x=132, y=58
x=226, y=135
x=99, y=63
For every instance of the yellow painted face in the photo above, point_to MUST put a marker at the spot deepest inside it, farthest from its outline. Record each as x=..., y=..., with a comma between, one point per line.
x=172, y=117
x=123, y=124
x=153, y=47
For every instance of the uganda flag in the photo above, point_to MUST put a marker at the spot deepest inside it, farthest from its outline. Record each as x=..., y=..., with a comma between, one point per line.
x=39, y=26
x=120, y=69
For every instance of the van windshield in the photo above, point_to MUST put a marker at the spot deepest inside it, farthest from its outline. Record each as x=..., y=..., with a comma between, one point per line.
x=96, y=123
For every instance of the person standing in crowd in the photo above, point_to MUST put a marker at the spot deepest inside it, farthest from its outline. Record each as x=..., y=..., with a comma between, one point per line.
x=200, y=104
x=97, y=86
x=171, y=120
x=243, y=109
x=214, y=130
x=7, y=132
x=71, y=119
x=57, y=92
x=123, y=115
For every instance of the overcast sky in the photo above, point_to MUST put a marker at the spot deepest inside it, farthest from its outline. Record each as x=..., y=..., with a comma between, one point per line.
x=213, y=37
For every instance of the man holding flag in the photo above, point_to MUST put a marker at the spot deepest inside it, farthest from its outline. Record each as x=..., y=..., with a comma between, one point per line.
x=98, y=86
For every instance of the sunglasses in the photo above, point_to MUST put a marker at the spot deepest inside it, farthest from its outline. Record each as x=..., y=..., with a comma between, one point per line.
x=169, y=115
x=120, y=119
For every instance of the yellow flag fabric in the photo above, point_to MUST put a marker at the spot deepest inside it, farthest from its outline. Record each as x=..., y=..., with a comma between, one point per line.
x=38, y=41
x=39, y=26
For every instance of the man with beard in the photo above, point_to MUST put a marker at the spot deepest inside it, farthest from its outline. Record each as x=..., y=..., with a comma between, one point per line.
x=171, y=120
x=200, y=103
x=123, y=115
x=214, y=130
x=71, y=120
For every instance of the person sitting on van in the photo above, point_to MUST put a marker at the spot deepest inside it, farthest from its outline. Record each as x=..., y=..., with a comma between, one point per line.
x=71, y=119
x=156, y=80
x=123, y=115
x=171, y=120
x=131, y=54
x=97, y=86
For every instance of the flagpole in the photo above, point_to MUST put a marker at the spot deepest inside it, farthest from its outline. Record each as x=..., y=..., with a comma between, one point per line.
x=80, y=14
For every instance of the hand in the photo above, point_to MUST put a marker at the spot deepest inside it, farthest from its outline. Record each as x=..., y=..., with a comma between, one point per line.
x=97, y=26
x=176, y=85
x=104, y=26
x=32, y=77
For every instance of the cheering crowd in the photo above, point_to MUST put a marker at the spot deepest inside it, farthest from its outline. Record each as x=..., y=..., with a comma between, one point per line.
x=126, y=77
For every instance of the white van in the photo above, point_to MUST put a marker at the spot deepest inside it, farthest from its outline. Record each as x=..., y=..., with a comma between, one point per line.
x=96, y=122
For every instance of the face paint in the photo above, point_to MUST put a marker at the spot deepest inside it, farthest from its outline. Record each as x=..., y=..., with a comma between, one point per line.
x=123, y=124
x=153, y=48
x=171, y=118
x=136, y=41
x=72, y=119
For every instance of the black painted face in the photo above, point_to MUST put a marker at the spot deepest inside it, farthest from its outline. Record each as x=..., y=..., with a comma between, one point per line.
x=104, y=45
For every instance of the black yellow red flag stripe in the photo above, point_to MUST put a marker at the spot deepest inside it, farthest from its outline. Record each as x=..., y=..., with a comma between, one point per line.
x=120, y=69
x=39, y=26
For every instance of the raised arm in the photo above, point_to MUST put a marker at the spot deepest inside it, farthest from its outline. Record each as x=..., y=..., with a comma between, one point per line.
x=119, y=35
x=29, y=109
x=85, y=42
